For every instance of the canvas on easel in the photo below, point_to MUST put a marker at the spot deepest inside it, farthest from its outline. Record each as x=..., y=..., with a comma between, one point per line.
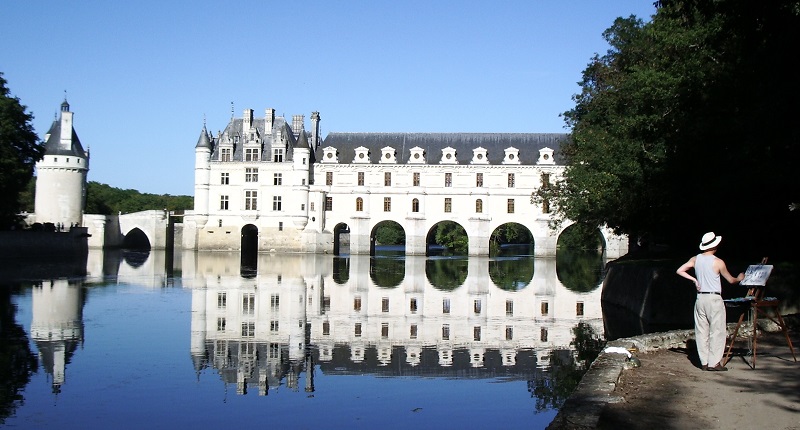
x=756, y=275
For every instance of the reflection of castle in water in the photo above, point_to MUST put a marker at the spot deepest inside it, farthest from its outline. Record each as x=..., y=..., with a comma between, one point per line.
x=57, y=325
x=407, y=316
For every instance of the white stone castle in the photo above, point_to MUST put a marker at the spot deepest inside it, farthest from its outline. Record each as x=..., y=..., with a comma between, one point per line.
x=264, y=185
x=267, y=185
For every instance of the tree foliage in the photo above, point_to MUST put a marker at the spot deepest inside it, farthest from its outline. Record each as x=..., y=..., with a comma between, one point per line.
x=390, y=233
x=20, y=149
x=453, y=237
x=106, y=200
x=687, y=125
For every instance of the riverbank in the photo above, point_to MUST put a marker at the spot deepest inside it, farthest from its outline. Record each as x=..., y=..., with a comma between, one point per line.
x=668, y=390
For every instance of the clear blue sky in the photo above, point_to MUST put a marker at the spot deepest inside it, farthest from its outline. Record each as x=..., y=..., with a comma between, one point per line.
x=141, y=76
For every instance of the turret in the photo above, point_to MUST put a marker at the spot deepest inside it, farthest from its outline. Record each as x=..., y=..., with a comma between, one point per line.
x=202, y=172
x=315, y=139
x=61, y=174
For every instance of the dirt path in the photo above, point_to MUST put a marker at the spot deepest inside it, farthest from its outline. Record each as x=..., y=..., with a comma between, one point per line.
x=669, y=391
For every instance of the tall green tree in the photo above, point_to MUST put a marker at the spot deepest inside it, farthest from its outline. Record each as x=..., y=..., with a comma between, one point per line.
x=687, y=125
x=20, y=149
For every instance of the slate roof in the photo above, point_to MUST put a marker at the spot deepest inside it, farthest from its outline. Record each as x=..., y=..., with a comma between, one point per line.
x=528, y=145
x=53, y=144
x=235, y=128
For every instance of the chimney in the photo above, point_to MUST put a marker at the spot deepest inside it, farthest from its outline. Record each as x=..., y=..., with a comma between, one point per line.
x=297, y=124
x=270, y=119
x=315, y=130
x=247, y=118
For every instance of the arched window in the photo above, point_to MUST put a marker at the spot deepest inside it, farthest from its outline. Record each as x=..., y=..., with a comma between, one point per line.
x=359, y=204
x=479, y=206
x=415, y=205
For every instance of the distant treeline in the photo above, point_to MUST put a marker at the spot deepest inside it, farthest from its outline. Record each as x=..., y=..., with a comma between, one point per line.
x=104, y=199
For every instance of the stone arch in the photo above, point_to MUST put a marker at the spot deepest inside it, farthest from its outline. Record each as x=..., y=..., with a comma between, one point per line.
x=511, y=238
x=396, y=236
x=456, y=239
x=341, y=239
x=600, y=235
x=136, y=239
x=248, y=255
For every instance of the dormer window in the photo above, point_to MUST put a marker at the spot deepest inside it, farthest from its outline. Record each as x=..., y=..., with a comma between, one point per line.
x=362, y=155
x=329, y=155
x=417, y=155
x=225, y=154
x=512, y=156
x=251, y=154
x=546, y=156
x=388, y=155
x=448, y=156
x=479, y=156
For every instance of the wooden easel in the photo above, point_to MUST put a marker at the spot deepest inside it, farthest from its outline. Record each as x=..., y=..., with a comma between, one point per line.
x=756, y=277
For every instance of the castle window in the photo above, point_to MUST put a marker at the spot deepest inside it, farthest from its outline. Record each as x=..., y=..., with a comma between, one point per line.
x=224, y=178
x=476, y=333
x=328, y=178
x=359, y=204
x=221, y=324
x=387, y=204
x=445, y=331
x=275, y=301
x=509, y=332
x=448, y=179
x=509, y=308
x=545, y=309
x=361, y=179
x=311, y=206
x=223, y=203
x=476, y=306
x=251, y=154
x=510, y=205
x=277, y=179
x=545, y=180
x=415, y=205
x=385, y=330
x=546, y=206
x=222, y=300
x=250, y=200
x=479, y=179
x=412, y=305
x=280, y=225
x=328, y=203
x=511, y=180
x=273, y=326
x=276, y=203
x=478, y=206
x=251, y=174
x=326, y=328
x=413, y=331
x=225, y=154
x=445, y=306
x=248, y=329
x=448, y=204
x=385, y=304
x=579, y=309
x=543, y=334
x=416, y=179
x=387, y=179
x=277, y=155
x=248, y=304
x=357, y=303
x=357, y=330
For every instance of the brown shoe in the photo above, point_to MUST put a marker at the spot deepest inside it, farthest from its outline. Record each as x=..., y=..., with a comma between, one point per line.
x=718, y=368
x=705, y=367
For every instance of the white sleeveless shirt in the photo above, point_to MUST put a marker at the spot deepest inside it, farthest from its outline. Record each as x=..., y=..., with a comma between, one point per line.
x=705, y=274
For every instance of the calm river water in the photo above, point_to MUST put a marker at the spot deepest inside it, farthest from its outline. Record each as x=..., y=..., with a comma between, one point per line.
x=199, y=340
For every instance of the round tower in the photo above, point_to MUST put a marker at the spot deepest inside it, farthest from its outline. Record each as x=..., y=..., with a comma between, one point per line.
x=61, y=175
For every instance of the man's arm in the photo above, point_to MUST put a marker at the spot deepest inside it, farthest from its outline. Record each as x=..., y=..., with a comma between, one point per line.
x=723, y=270
x=682, y=271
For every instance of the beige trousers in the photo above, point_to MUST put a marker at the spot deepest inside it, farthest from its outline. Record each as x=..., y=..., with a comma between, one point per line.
x=709, y=328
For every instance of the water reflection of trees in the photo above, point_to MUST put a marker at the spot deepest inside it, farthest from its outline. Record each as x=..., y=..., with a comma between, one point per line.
x=446, y=273
x=580, y=271
x=511, y=274
x=387, y=272
x=341, y=270
x=17, y=361
x=566, y=368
